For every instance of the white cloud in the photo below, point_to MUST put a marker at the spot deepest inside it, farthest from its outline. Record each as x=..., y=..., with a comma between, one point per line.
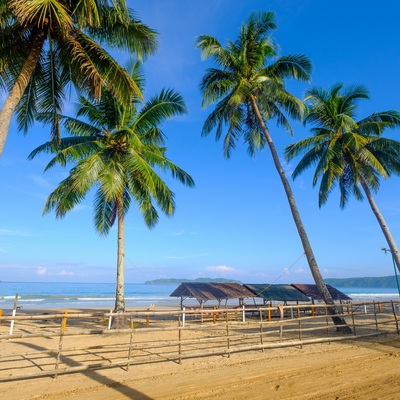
x=66, y=273
x=10, y=232
x=41, y=181
x=220, y=268
x=299, y=270
x=41, y=271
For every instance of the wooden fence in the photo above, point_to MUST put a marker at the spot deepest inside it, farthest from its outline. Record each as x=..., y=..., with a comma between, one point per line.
x=34, y=345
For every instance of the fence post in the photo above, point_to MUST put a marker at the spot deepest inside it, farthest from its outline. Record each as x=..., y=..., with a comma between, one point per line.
x=180, y=337
x=130, y=343
x=261, y=331
x=327, y=323
x=109, y=320
x=280, y=308
x=63, y=327
x=376, y=318
x=395, y=317
x=300, y=335
x=1, y=314
x=13, y=313
x=183, y=316
x=227, y=333
x=64, y=322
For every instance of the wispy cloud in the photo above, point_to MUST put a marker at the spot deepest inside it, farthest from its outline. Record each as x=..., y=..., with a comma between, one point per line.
x=221, y=268
x=12, y=232
x=41, y=271
x=65, y=273
x=40, y=181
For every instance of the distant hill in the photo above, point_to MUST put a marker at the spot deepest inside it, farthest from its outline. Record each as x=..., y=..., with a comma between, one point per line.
x=378, y=282
x=178, y=281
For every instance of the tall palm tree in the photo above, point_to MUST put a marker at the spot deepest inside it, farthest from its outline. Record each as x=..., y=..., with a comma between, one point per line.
x=118, y=152
x=249, y=88
x=46, y=45
x=348, y=152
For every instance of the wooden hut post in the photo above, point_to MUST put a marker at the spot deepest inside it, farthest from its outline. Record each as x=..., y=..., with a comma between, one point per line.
x=243, y=314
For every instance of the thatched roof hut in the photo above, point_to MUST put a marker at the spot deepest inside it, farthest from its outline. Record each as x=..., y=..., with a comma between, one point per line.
x=205, y=291
x=313, y=292
x=277, y=292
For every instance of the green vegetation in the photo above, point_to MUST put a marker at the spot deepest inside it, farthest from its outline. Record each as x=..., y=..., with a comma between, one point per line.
x=347, y=152
x=249, y=90
x=117, y=153
x=378, y=282
x=47, y=45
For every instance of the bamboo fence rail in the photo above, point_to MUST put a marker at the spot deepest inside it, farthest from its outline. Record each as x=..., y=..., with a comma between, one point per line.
x=37, y=345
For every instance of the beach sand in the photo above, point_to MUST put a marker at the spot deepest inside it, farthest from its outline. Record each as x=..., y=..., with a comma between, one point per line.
x=367, y=368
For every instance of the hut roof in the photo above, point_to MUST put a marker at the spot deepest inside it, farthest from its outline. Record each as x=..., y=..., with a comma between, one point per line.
x=277, y=292
x=313, y=292
x=211, y=291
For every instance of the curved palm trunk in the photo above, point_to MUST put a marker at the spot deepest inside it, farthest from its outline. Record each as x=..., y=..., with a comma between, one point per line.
x=382, y=223
x=319, y=281
x=119, y=293
x=18, y=89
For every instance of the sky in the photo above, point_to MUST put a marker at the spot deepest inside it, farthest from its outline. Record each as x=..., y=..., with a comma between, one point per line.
x=235, y=223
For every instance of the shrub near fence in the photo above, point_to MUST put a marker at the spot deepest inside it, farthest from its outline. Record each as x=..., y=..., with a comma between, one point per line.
x=46, y=344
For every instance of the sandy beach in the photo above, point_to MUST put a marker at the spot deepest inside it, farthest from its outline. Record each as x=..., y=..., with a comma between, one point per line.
x=366, y=368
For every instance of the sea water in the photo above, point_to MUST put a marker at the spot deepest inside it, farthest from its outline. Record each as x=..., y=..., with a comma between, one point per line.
x=83, y=295
x=89, y=295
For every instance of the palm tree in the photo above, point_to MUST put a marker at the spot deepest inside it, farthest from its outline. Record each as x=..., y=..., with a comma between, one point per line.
x=350, y=153
x=249, y=88
x=118, y=152
x=46, y=45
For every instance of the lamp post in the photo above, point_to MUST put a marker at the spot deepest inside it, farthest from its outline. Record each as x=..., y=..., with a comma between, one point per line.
x=394, y=266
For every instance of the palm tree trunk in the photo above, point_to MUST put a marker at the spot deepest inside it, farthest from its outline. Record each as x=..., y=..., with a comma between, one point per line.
x=119, y=293
x=19, y=87
x=382, y=223
x=319, y=281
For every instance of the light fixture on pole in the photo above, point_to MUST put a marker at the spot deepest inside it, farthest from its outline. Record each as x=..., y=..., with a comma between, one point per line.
x=394, y=266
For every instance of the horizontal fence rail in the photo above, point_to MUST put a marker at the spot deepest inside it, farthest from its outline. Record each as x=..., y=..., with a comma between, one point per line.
x=35, y=345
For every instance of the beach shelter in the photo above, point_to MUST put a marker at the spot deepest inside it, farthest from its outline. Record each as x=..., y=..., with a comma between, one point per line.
x=283, y=293
x=312, y=292
x=205, y=291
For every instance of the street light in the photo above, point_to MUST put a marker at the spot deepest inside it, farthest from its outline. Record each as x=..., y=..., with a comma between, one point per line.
x=394, y=266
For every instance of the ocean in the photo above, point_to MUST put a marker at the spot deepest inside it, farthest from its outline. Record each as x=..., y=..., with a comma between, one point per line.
x=88, y=295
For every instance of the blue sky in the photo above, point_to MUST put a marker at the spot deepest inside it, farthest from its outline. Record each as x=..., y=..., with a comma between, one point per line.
x=236, y=222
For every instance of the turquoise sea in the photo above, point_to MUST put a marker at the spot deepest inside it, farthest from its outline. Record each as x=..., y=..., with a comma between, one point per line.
x=86, y=295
